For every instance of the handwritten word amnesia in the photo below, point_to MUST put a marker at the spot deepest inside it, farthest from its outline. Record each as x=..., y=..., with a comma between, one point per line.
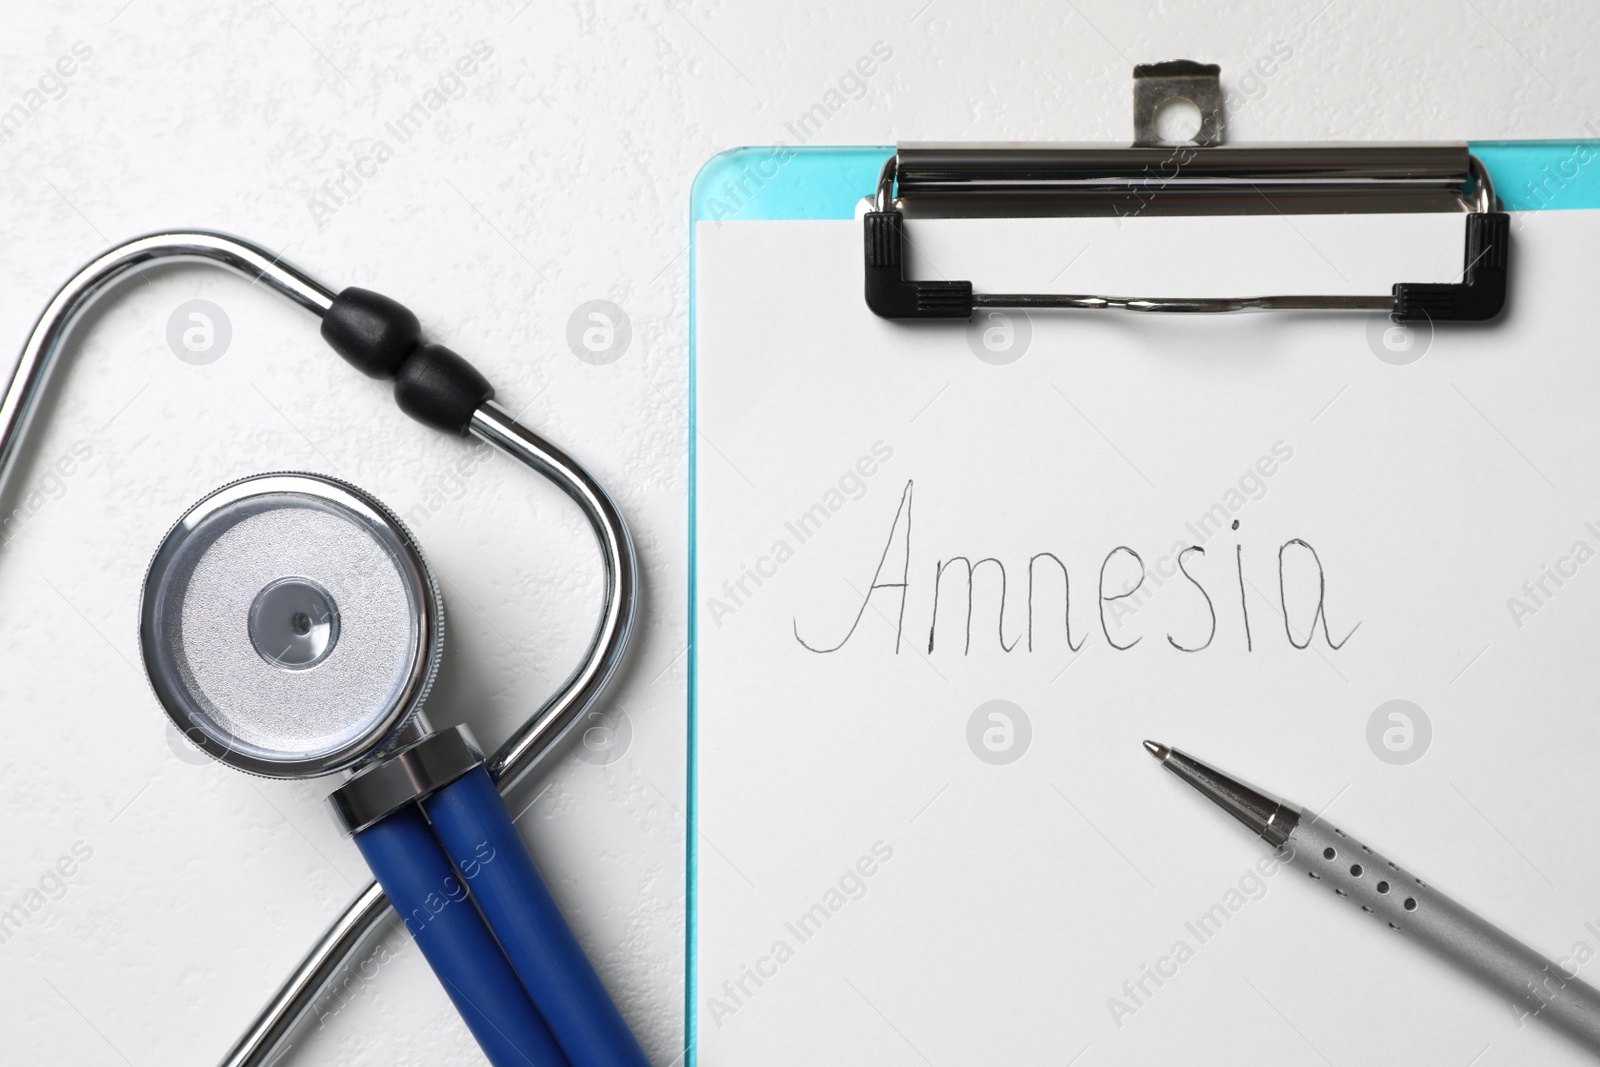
x=1122, y=576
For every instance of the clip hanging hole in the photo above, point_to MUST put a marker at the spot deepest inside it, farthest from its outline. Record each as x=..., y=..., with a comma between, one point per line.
x=1178, y=120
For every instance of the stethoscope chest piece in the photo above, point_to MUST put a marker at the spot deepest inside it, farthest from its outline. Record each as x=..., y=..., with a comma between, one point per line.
x=290, y=625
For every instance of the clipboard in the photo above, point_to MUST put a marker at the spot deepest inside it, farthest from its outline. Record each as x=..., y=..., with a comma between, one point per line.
x=886, y=190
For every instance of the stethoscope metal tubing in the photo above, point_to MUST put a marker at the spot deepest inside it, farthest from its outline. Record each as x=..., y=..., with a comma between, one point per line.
x=491, y=423
x=583, y=687
x=38, y=357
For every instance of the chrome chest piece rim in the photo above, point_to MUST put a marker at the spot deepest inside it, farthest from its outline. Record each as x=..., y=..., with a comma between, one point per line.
x=260, y=666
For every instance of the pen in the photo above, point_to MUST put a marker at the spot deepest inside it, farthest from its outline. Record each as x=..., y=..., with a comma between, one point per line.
x=1403, y=901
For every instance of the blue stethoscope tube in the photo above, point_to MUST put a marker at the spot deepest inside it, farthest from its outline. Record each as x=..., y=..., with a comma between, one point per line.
x=475, y=829
x=428, y=893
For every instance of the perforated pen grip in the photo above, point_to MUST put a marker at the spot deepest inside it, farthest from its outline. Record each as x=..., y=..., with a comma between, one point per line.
x=1411, y=907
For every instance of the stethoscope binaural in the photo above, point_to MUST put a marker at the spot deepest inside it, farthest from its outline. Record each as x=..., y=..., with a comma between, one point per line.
x=423, y=804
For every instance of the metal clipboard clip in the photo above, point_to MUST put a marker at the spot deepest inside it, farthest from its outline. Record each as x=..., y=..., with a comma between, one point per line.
x=1201, y=176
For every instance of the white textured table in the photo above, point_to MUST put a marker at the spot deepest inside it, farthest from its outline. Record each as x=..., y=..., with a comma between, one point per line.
x=555, y=173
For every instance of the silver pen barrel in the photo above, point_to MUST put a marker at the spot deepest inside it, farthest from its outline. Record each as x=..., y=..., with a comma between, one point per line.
x=1401, y=900
x=1416, y=910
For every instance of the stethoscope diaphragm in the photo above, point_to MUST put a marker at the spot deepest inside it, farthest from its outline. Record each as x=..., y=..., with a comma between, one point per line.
x=290, y=625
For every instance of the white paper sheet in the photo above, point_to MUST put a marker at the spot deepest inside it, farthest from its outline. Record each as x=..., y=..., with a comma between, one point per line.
x=888, y=874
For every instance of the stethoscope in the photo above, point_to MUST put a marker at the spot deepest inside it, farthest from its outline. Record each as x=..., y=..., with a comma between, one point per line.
x=291, y=627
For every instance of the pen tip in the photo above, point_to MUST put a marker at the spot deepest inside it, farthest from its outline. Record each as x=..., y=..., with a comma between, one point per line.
x=1157, y=749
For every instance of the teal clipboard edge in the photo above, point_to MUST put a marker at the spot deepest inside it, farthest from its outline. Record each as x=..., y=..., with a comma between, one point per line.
x=786, y=182
x=749, y=184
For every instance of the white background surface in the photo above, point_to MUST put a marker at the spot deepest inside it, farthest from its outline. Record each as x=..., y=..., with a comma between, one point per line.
x=559, y=176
